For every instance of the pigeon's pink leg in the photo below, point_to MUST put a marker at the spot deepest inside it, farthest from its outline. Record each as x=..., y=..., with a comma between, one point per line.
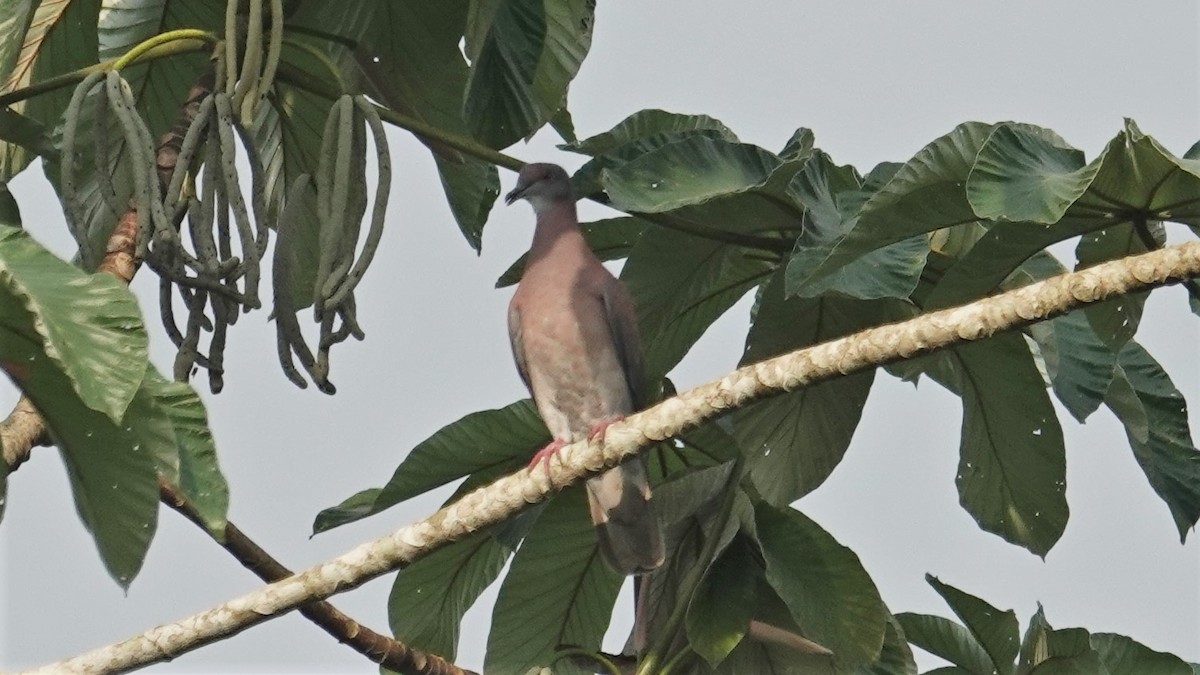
x=543, y=456
x=600, y=429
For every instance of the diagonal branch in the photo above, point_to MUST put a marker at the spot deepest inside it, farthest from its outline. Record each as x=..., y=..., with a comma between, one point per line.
x=379, y=648
x=497, y=502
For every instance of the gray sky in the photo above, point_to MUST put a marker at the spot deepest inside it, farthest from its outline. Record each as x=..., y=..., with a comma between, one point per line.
x=875, y=81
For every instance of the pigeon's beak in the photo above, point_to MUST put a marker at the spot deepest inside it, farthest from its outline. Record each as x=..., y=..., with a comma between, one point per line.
x=516, y=194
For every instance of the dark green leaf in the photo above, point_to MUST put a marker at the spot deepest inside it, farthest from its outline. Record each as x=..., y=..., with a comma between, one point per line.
x=10, y=213
x=610, y=239
x=89, y=326
x=1012, y=468
x=680, y=285
x=829, y=594
x=60, y=38
x=412, y=60
x=948, y=640
x=1046, y=651
x=1155, y=417
x=996, y=631
x=797, y=439
x=1115, y=321
x=896, y=657
x=20, y=130
x=799, y=146
x=1123, y=656
x=644, y=124
x=1020, y=175
x=430, y=596
x=719, y=613
x=1080, y=365
x=171, y=422
x=15, y=17
x=687, y=173
x=480, y=441
x=558, y=591
x=525, y=54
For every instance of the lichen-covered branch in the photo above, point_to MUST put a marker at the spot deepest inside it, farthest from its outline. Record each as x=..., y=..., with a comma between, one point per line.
x=497, y=502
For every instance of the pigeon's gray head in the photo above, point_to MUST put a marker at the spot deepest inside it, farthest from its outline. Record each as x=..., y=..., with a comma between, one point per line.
x=542, y=185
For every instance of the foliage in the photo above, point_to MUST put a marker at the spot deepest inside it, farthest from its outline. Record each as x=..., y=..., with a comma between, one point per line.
x=753, y=585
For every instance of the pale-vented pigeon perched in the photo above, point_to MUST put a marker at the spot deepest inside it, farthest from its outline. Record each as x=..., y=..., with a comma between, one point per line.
x=574, y=337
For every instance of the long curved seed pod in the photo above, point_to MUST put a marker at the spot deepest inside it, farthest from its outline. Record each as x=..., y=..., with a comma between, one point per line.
x=141, y=159
x=68, y=181
x=378, y=209
x=258, y=192
x=166, y=309
x=274, y=51
x=332, y=229
x=187, y=153
x=162, y=225
x=201, y=217
x=288, y=338
x=231, y=45
x=185, y=358
x=102, y=156
x=225, y=124
x=247, y=86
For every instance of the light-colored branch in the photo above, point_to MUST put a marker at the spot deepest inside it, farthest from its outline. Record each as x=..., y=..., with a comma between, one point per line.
x=497, y=502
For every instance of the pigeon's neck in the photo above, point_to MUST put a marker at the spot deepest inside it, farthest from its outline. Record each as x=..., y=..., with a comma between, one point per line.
x=557, y=229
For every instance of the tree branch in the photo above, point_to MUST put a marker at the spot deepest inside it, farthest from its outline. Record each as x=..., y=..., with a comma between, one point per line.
x=497, y=502
x=379, y=648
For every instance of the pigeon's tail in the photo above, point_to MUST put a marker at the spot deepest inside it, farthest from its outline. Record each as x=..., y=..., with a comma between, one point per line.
x=629, y=533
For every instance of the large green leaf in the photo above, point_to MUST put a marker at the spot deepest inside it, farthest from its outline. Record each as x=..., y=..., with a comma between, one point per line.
x=15, y=17
x=1123, y=656
x=1115, y=321
x=524, y=55
x=1021, y=175
x=644, y=124
x=687, y=172
x=896, y=658
x=833, y=196
x=558, y=591
x=27, y=133
x=412, y=61
x=171, y=422
x=948, y=640
x=719, y=613
x=1045, y=651
x=1012, y=465
x=430, y=596
x=797, y=439
x=89, y=326
x=609, y=239
x=61, y=37
x=482, y=441
x=1079, y=364
x=829, y=594
x=1156, y=422
x=680, y=285
x=995, y=630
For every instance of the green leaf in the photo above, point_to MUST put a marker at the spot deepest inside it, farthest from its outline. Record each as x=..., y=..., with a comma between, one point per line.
x=89, y=326
x=412, y=61
x=15, y=17
x=948, y=640
x=60, y=38
x=799, y=146
x=525, y=54
x=994, y=630
x=823, y=583
x=20, y=130
x=1156, y=422
x=1046, y=651
x=680, y=285
x=686, y=173
x=609, y=239
x=833, y=196
x=719, y=613
x=797, y=439
x=896, y=657
x=645, y=124
x=10, y=213
x=171, y=422
x=430, y=596
x=558, y=592
x=1123, y=656
x=1115, y=321
x=1080, y=365
x=1020, y=175
x=1012, y=465
x=482, y=441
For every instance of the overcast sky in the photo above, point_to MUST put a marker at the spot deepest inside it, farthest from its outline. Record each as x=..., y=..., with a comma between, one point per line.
x=875, y=81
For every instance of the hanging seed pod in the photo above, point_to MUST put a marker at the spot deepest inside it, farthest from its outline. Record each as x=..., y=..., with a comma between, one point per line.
x=71, y=158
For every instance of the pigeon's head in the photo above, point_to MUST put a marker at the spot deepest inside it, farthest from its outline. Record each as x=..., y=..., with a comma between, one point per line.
x=542, y=185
